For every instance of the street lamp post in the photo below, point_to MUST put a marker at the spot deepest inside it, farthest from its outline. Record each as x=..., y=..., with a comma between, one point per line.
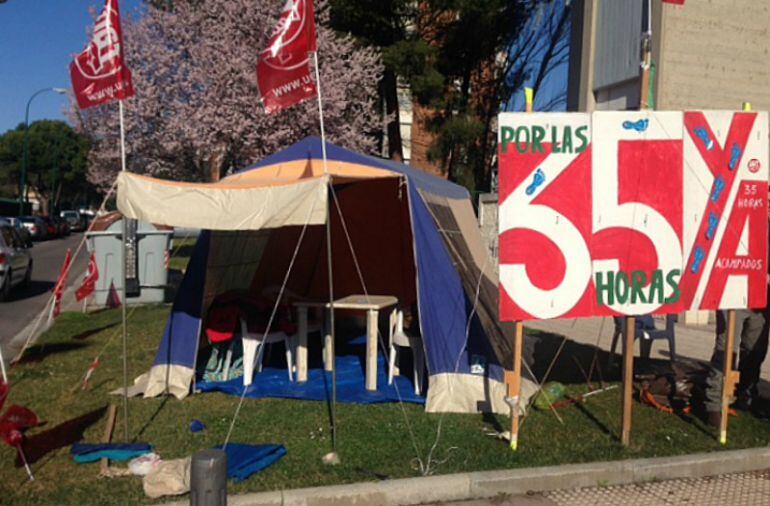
x=25, y=160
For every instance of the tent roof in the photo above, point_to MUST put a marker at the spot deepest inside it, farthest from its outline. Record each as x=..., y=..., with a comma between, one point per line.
x=287, y=188
x=343, y=161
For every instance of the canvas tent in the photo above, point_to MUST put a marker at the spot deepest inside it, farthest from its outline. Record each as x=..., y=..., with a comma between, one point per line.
x=414, y=236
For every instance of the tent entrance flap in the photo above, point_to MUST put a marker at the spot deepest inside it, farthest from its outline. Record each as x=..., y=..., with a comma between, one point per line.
x=220, y=206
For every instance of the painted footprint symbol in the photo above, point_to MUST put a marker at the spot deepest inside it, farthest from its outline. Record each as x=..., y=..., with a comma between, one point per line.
x=735, y=156
x=697, y=260
x=703, y=135
x=719, y=186
x=713, y=222
x=639, y=126
x=537, y=180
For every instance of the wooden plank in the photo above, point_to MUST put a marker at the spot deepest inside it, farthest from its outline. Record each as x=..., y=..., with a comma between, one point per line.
x=730, y=378
x=513, y=380
x=628, y=379
x=112, y=415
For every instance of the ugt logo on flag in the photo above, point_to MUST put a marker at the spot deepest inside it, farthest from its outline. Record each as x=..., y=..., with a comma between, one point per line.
x=283, y=70
x=99, y=73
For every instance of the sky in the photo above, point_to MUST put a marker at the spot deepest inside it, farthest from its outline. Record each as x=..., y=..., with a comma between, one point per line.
x=552, y=95
x=37, y=41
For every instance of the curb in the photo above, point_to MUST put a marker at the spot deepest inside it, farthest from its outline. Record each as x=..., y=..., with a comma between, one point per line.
x=488, y=484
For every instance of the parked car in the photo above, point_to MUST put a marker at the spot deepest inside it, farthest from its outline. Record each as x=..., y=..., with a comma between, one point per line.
x=77, y=222
x=36, y=226
x=15, y=261
x=62, y=227
x=16, y=223
x=51, y=227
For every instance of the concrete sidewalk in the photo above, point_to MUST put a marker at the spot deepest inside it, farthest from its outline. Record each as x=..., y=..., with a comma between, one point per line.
x=736, y=489
x=499, y=485
x=696, y=342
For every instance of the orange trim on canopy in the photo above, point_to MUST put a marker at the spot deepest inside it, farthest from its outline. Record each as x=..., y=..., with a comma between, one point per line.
x=282, y=174
x=288, y=172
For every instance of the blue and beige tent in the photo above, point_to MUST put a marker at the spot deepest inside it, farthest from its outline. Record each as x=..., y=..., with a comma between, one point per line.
x=414, y=235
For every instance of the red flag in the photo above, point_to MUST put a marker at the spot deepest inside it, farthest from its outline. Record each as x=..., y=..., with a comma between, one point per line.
x=283, y=69
x=89, y=281
x=677, y=2
x=61, y=282
x=99, y=73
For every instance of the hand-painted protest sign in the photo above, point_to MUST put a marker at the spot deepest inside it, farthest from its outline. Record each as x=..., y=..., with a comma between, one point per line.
x=632, y=212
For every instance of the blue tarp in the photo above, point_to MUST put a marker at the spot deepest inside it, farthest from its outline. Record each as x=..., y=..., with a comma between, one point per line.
x=84, y=453
x=244, y=460
x=274, y=382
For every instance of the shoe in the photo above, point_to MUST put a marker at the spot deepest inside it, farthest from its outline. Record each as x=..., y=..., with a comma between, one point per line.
x=742, y=403
x=713, y=419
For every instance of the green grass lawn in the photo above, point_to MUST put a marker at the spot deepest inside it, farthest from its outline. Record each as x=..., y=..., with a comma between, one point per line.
x=373, y=440
x=180, y=253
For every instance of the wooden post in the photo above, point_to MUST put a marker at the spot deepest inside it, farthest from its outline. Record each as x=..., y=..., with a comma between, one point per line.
x=730, y=377
x=111, y=416
x=628, y=378
x=513, y=377
x=513, y=381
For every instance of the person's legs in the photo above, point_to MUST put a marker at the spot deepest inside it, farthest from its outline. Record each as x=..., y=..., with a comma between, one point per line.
x=714, y=379
x=713, y=399
x=753, y=350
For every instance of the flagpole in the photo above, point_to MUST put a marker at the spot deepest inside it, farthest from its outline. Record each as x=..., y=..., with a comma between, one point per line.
x=332, y=352
x=123, y=278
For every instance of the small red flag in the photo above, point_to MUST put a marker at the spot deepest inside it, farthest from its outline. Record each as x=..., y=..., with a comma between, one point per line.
x=89, y=281
x=677, y=2
x=283, y=69
x=61, y=282
x=99, y=73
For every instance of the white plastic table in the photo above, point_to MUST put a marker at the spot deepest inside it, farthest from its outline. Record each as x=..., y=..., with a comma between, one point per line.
x=371, y=304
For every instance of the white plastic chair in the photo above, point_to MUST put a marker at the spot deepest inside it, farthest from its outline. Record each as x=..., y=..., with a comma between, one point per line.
x=398, y=338
x=253, y=351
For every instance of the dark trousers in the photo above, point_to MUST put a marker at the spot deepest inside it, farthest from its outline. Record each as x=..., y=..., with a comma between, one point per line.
x=751, y=339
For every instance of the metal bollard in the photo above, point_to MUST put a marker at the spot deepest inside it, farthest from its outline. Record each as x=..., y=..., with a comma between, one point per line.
x=208, y=478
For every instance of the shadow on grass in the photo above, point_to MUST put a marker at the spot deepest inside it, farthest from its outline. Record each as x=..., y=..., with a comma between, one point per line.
x=151, y=419
x=580, y=407
x=64, y=434
x=90, y=332
x=39, y=352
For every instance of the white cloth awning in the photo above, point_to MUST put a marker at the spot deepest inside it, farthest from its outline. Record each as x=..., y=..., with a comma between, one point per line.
x=222, y=206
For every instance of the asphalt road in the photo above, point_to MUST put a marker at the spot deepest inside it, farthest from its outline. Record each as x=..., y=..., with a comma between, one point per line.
x=26, y=303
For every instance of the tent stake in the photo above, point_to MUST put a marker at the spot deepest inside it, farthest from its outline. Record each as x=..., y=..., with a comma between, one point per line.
x=628, y=378
x=730, y=377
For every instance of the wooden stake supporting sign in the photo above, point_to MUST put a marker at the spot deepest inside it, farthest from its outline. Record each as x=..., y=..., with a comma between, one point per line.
x=513, y=377
x=513, y=381
x=628, y=379
x=730, y=377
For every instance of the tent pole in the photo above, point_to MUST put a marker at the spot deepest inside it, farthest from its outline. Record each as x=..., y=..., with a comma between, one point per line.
x=123, y=278
x=328, y=259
